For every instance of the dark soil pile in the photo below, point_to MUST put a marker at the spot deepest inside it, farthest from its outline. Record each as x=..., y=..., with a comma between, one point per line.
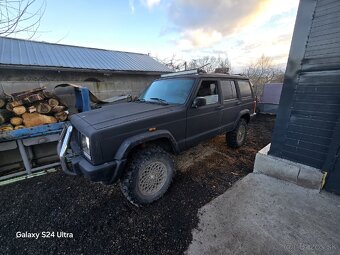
x=102, y=221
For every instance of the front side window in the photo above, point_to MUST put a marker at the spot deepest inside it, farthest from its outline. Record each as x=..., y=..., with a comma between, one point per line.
x=171, y=91
x=209, y=91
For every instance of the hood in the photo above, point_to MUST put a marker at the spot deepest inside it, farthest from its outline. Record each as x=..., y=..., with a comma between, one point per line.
x=117, y=114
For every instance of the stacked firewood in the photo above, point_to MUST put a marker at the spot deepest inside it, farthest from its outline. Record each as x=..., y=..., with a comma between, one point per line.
x=30, y=108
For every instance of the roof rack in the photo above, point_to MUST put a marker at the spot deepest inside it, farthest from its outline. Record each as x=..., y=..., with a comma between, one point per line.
x=194, y=71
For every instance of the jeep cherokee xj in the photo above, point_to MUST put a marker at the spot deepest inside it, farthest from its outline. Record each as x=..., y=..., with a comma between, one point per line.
x=134, y=142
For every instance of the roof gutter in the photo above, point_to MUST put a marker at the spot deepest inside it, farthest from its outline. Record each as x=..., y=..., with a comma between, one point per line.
x=70, y=69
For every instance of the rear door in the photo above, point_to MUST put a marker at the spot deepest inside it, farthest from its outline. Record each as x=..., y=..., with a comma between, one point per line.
x=245, y=95
x=204, y=122
x=231, y=104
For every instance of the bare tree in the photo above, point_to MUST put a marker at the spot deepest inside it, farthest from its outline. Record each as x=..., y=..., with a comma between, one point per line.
x=209, y=63
x=173, y=63
x=261, y=72
x=21, y=16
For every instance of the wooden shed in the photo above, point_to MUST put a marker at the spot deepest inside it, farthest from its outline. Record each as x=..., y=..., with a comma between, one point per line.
x=307, y=129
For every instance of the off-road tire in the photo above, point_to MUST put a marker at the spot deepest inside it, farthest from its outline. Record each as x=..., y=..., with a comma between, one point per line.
x=132, y=181
x=233, y=139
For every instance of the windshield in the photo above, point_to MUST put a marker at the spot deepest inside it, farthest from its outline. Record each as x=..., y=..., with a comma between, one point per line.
x=171, y=91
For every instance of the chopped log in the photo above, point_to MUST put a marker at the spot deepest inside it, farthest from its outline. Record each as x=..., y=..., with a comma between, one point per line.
x=5, y=128
x=36, y=119
x=33, y=98
x=53, y=102
x=26, y=94
x=58, y=108
x=61, y=116
x=19, y=127
x=15, y=104
x=47, y=94
x=5, y=115
x=16, y=121
x=43, y=108
x=32, y=109
x=19, y=110
x=2, y=102
x=9, y=108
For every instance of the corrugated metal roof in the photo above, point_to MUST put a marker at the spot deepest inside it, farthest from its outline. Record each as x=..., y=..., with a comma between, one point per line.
x=20, y=52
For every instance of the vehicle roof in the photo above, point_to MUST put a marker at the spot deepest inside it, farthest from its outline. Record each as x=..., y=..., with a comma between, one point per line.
x=208, y=75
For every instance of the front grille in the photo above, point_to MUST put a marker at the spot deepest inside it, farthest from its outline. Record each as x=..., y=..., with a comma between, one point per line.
x=75, y=141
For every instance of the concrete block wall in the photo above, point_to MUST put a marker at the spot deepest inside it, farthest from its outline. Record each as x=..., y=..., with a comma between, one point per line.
x=102, y=85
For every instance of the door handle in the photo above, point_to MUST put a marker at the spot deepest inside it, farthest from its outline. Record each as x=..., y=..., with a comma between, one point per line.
x=220, y=107
x=238, y=103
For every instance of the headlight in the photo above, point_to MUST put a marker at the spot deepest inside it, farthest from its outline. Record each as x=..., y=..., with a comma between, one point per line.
x=85, y=145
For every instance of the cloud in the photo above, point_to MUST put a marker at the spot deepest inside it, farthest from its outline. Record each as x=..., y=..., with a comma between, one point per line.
x=147, y=3
x=241, y=29
x=151, y=3
x=198, y=38
x=132, y=6
x=221, y=18
x=245, y=29
x=272, y=41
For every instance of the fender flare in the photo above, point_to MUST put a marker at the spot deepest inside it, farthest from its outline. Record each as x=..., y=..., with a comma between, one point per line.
x=241, y=113
x=133, y=141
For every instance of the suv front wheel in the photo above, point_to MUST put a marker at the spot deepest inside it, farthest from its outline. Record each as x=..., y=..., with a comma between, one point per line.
x=148, y=176
x=237, y=137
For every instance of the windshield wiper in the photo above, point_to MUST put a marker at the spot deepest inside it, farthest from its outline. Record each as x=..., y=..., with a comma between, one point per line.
x=140, y=100
x=159, y=100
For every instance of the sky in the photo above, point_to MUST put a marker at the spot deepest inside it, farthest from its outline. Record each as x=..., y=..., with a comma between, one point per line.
x=241, y=30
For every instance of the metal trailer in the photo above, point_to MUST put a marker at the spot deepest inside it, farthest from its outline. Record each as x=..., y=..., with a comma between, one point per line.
x=24, y=139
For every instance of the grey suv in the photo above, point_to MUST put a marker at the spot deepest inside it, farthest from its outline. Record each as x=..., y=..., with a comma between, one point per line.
x=134, y=142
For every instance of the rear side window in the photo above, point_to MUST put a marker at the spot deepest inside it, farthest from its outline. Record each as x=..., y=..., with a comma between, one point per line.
x=228, y=89
x=244, y=87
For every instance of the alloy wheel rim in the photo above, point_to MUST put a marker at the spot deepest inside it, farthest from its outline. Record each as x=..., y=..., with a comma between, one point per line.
x=152, y=178
x=241, y=133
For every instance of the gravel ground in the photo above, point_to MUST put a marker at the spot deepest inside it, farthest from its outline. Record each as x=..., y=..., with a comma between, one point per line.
x=103, y=222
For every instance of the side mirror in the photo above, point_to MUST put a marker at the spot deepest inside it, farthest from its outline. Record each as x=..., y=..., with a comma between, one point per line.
x=199, y=101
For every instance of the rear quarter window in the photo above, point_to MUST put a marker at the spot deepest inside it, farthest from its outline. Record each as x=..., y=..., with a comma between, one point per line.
x=245, y=90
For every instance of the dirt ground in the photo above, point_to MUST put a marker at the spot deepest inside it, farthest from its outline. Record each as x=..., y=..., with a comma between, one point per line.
x=103, y=222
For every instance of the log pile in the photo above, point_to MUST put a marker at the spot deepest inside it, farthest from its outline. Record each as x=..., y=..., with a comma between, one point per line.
x=30, y=108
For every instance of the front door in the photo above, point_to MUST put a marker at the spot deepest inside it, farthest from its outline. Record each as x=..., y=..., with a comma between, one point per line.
x=205, y=121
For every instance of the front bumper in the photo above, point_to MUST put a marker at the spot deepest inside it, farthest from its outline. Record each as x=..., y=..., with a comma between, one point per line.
x=75, y=164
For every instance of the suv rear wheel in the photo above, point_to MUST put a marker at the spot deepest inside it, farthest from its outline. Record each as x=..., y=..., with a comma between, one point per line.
x=148, y=176
x=237, y=137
